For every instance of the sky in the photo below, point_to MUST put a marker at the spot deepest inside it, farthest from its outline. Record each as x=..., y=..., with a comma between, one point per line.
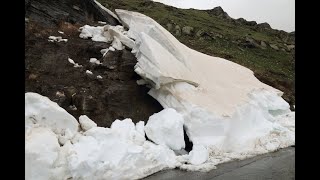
x=280, y=14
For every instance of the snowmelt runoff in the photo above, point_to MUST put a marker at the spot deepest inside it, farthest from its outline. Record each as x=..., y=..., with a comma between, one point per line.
x=227, y=113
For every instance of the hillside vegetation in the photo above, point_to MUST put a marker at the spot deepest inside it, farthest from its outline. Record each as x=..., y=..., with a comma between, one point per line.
x=267, y=52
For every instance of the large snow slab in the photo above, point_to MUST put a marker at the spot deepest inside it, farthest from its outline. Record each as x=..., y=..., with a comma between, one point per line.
x=166, y=128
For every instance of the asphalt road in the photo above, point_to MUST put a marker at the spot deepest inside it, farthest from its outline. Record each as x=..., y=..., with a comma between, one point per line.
x=276, y=165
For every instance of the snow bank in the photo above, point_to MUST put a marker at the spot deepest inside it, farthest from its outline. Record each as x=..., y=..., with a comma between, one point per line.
x=119, y=152
x=166, y=128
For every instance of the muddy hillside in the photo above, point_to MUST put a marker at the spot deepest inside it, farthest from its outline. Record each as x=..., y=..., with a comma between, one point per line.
x=48, y=72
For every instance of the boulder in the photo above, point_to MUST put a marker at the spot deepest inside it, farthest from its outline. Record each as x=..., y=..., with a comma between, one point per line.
x=178, y=30
x=275, y=47
x=188, y=30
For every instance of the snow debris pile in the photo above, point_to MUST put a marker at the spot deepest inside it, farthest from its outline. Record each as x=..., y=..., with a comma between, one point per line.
x=56, y=39
x=225, y=110
x=88, y=151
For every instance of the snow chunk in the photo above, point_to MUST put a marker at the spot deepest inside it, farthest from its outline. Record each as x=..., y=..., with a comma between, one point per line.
x=198, y=155
x=86, y=123
x=99, y=77
x=76, y=65
x=140, y=127
x=166, y=128
x=60, y=32
x=57, y=39
x=95, y=33
x=102, y=22
x=40, y=110
x=111, y=48
x=89, y=72
x=116, y=44
x=95, y=61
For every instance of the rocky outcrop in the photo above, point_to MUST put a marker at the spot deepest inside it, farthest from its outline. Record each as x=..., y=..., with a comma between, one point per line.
x=245, y=22
x=49, y=13
x=219, y=12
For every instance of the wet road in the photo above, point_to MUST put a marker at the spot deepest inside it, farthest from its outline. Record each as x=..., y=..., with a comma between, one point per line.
x=277, y=165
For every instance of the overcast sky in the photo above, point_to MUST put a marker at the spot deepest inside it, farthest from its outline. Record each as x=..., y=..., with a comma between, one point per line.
x=280, y=14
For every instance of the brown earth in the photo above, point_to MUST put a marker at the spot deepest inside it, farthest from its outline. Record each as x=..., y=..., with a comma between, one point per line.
x=49, y=73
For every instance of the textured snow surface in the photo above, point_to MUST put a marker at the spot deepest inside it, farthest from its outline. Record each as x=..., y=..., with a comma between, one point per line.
x=166, y=128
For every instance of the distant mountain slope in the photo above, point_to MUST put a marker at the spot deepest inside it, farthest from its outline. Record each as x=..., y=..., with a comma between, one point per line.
x=268, y=52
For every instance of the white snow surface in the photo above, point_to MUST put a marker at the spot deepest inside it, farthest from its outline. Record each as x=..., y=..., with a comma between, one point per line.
x=166, y=128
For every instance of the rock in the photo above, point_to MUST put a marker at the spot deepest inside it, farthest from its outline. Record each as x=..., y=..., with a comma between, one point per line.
x=263, y=44
x=275, y=47
x=166, y=128
x=86, y=123
x=219, y=12
x=263, y=26
x=290, y=47
x=169, y=27
x=199, y=33
x=187, y=30
x=245, y=22
x=251, y=43
x=178, y=30
x=50, y=13
x=215, y=34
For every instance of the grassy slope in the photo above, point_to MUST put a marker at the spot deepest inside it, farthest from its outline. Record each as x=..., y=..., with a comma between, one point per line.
x=275, y=68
